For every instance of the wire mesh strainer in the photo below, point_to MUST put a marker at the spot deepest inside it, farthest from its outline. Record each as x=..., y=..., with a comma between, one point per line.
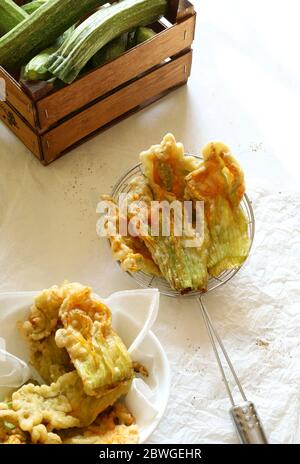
x=247, y=423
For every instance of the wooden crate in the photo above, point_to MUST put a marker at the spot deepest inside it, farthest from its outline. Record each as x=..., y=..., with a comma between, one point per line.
x=51, y=121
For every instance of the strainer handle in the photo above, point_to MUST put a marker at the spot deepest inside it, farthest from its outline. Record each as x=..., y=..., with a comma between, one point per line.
x=244, y=415
x=247, y=423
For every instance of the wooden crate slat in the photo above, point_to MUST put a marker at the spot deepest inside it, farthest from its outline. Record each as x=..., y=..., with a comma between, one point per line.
x=179, y=9
x=97, y=83
x=15, y=123
x=74, y=129
x=16, y=97
x=117, y=120
x=185, y=9
x=53, y=124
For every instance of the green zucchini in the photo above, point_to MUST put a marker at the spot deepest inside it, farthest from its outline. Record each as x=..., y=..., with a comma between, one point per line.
x=118, y=46
x=41, y=29
x=36, y=69
x=31, y=7
x=131, y=39
x=10, y=15
x=144, y=33
x=99, y=29
x=139, y=35
x=110, y=52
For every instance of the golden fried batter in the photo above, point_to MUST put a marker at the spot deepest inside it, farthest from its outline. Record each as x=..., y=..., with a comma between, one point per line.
x=11, y=434
x=130, y=251
x=82, y=326
x=219, y=175
x=40, y=435
x=166, y=167
x=184, y=267
x=120, y=435
x=115, y=426
x=39, y=329
x=140, y=369
x=43, y=315
x=48, y=405
x=14, y=440
x=133, y=255
x=62, y=405
x=97, y=352
x=50, y=361
x=220, y=183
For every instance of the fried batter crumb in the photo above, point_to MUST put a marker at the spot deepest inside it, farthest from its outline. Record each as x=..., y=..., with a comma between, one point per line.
x=140, y=369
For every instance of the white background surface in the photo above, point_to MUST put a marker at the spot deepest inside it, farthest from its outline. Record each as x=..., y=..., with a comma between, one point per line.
x=244, y=90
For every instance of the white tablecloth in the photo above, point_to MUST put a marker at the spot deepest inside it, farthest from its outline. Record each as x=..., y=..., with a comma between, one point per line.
x=244, y=90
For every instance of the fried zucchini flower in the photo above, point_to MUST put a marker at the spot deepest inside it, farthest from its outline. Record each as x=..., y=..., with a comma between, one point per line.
x=39, y=329
x=220, y=183
x=50, y=361
x=130, y=251
x=68, y=329
x=43, y=316
x=166, y=167
x=40, y=409
x=182, y=266
x=133, y=255
x=116, y=426
x=97, y=352
x=185, y=260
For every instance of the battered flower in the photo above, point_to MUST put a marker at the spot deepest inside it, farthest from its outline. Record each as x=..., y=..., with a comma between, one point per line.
x=184, y=267
x=166, y=167
x=75, y=350
x=50, y=361
x=186, y=258
x=97, y=352
x=130, y=251
x=220, y=183
x=43, y=316
x=116, y=426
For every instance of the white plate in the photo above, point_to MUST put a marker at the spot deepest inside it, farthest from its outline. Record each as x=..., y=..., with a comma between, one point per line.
x=133, y=314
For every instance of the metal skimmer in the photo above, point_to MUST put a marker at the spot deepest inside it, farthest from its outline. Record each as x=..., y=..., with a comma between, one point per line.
x=244, y=415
